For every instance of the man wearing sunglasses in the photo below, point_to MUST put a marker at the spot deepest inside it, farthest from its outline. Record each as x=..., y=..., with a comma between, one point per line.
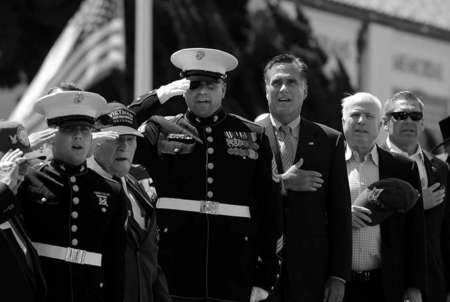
x=217, y=208
x=403, y=120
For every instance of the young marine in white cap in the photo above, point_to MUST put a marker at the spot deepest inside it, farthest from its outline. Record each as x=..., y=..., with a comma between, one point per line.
x=218, y=209
x=74, y=216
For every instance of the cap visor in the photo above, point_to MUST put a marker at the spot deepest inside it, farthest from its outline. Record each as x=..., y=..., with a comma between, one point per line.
x=203, y=78
x=75, y=123
x=122, y=130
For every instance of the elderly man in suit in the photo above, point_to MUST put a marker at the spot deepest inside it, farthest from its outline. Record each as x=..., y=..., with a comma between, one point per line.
x=388, y=259
x=310, y=167
x=144, y=279
x=403, y=120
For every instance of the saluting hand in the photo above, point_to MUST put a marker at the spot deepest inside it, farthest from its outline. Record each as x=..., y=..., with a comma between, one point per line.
x=178, y=87
x=101, y=136
x=9, y=169
x=39, y=138
x=433, y=196
x=360, y=217
x=297, y=179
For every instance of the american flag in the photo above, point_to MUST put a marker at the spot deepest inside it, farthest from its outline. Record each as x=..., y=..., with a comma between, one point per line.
x=89, y=48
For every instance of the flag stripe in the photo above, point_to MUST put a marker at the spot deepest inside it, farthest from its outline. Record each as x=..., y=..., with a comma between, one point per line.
x=89, y=48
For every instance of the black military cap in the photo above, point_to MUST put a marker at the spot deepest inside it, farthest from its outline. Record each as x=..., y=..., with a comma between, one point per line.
x=13, y=136
x=387, y=196
x=121, y=120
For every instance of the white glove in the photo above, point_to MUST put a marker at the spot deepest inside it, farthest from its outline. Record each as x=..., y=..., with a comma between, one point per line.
x=179, y=87
x=258, y=294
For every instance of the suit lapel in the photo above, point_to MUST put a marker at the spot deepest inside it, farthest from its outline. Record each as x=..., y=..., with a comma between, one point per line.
x=306, y=140
x=383, y=164
x=432, y=176
x=267, y=124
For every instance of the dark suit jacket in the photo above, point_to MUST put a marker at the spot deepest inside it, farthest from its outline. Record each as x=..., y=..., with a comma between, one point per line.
x=317, y=224
x=403, y=249
x=19, y=280
x=145, y=280
x=437, y=222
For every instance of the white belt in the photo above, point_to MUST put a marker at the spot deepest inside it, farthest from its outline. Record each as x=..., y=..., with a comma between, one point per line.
x=68, y=254
x=203, y=206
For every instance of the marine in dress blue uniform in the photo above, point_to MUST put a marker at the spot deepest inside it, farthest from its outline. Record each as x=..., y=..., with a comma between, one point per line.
x=74, y=216
x=218, y=209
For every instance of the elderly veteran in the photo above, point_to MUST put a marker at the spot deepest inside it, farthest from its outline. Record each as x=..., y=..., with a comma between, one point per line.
x=144, y=279
x=75, y=217
x=21, y=276
x=218, y=207
x=388, y=259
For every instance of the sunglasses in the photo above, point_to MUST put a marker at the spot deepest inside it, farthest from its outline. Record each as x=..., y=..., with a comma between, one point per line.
x=403, y=115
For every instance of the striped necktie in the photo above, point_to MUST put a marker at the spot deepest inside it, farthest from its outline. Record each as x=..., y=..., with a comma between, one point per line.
x=286, y=143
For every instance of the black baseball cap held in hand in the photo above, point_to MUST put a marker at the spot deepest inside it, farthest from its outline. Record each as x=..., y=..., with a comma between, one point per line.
x=387, y=196
x=13, y=136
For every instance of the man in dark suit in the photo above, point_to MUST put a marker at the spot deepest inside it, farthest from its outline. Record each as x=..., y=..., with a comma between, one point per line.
x=310, y=167
x=21, y=277
x=403, y=120
x=388, y=259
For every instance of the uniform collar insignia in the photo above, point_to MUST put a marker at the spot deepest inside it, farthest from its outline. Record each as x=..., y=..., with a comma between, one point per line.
x=207, y=121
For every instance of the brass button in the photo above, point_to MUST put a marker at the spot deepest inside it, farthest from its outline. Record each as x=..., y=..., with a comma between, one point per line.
x=74, y=228
x=208, y=129
x=75, y=214
x=75, y=188
x=73, y=179
x=210, y=150
x=210, y=194
x=210, y=166
x=210, y=139
x=210, y=180
x=75, y=242
x=75, y=200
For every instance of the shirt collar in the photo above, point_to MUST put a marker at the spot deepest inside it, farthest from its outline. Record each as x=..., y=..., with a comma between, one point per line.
x=214, y=119
x=292, y=125
x=67, y=169
x=350, y=154
x=94, y=165
x=393, y=148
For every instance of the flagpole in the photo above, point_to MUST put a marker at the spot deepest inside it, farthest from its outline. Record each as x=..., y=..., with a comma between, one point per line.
x=143, y=50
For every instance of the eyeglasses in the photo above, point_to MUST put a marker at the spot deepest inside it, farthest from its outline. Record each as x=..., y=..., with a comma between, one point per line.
x=403, y=115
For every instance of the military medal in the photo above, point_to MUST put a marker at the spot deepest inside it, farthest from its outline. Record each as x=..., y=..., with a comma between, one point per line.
x=242, y=144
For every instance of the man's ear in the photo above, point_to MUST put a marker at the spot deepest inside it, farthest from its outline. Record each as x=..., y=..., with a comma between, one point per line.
x=224, y=89
x=385, y=124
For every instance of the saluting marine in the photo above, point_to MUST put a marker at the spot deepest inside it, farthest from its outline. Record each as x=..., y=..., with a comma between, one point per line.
x=218, y=209
x=75, y=217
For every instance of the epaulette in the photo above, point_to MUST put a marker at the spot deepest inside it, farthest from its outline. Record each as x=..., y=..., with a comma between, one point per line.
x=39, y=165
x=138, y=171
x=252, y=125
x=142, y=98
